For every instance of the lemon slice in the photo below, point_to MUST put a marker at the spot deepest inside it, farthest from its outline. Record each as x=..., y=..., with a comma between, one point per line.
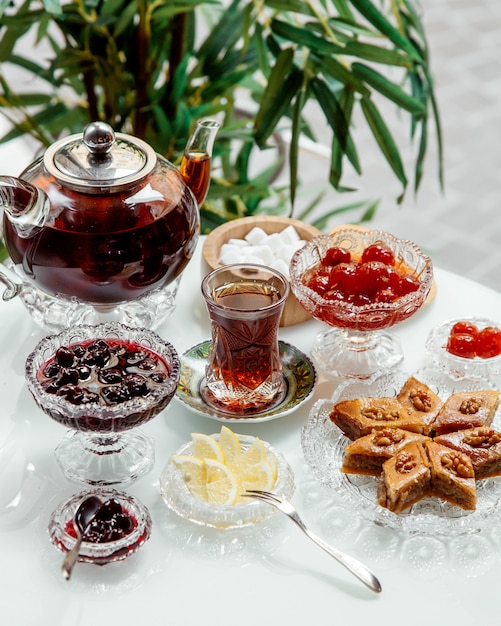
x=221, y=485
x=206, y=447
x=259, y=476
x=194, y=474
x=230, y=444
x=253, y=455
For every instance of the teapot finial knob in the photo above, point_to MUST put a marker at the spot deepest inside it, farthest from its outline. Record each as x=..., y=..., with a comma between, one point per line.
x=99, y=137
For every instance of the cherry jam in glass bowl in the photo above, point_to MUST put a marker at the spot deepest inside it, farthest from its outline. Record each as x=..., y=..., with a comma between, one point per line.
x=101, y=382
x=121, y=526
x=359, y=282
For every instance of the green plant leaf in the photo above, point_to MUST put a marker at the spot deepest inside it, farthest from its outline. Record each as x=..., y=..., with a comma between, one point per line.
x=304, y=37
x=388, y=89
x=343, y=8
x=335, y=116
x=377, y=54
x=384, y=139
x=377, y=19
x=275, y=99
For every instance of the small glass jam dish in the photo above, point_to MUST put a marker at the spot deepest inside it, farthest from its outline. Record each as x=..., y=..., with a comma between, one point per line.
x=102, y=382
x=95, y=548
x=466, y=347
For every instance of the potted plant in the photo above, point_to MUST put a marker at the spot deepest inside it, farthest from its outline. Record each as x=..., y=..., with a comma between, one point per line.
x=153, y=67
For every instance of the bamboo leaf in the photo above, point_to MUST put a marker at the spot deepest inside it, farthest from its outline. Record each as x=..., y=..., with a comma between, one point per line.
x=337, y=152
x=384, y=140
x=53, y=6
x=258, y=41
x=266, y=118
x=304, y=37
x=377, y=54
x=330, y=66
x=290, y=6
x=377, y=19
x=370, y=211
x=388, y=89
x=343, y=8
x=322, y=222
x=294, y=143
x=334, y=115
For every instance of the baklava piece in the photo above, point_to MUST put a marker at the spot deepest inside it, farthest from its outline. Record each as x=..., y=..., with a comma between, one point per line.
x=366, y=455
x=360, y=417
x=467, y=409
x=405, y=479
x=481, y=444
x=452, y=476
x=420, y=400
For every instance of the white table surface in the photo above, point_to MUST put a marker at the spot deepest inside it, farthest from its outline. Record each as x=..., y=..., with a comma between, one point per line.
x=188, y=575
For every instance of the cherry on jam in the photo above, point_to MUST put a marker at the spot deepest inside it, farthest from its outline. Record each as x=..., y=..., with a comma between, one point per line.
x=488, y=343
x=461, y=344
x=467, y=341
x=336, y=255
x=373, y=278
x=378, y=251
x=102, y=371
x=111, y=523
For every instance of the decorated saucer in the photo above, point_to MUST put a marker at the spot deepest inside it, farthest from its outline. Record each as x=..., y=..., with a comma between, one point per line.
x=298, y=370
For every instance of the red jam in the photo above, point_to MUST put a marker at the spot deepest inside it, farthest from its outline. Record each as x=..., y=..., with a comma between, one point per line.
x=467, y=341
x=374, y=277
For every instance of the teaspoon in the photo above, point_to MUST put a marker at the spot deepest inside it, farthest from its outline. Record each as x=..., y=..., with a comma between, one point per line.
x=84, y=514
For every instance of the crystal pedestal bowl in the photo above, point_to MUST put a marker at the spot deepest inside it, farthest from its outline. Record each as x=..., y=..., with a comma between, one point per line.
x=359, y=283
x=101, y=382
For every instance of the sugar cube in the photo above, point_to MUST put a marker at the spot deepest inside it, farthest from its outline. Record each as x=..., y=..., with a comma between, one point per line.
x=255, y=235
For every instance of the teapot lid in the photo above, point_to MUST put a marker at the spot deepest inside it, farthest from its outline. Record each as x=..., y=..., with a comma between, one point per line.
x=99, y=160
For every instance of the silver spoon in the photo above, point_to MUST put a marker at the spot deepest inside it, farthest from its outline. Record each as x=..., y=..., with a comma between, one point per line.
x=84, y=514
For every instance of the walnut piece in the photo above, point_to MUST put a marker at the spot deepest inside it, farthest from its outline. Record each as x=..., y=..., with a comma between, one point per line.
x=456, y=463
x=381, y=414
x=470, y=406
x=482, y=437
x=387, y=437
x=405, y=462
x=420, y=399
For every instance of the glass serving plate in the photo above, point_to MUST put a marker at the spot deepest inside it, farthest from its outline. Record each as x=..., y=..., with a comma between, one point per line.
x=179, y=499
x=457, y=366
x=323, y=446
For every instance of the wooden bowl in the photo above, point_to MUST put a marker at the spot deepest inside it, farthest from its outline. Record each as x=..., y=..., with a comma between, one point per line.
x=237, y=229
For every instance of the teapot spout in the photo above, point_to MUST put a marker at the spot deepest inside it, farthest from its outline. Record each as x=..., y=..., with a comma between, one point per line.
x=25, y=205
x=196, y=163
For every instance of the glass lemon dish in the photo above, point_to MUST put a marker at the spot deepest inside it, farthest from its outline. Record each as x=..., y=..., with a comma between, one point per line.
x=204, y=480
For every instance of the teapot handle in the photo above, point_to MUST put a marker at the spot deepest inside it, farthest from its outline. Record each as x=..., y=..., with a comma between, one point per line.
x=13, y=284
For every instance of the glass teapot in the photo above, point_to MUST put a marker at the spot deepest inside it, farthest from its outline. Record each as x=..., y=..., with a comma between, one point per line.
x=101, y=227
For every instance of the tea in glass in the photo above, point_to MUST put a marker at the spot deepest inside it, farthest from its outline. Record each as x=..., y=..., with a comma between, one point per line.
x=244, y=373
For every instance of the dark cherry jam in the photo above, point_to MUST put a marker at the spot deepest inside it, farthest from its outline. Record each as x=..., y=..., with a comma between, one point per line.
x=103, y=372
x=111, y=523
